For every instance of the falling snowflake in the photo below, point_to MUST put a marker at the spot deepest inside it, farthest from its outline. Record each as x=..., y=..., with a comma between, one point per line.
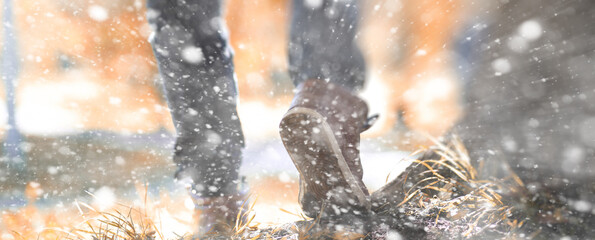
x=98, y=13
x=192, y=54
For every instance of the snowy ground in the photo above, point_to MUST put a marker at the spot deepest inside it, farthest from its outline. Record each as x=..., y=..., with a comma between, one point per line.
x=66, y=165
x=265, y=159
x=270, y=158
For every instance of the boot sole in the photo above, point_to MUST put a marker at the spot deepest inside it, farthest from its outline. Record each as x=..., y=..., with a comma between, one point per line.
x=310, y=141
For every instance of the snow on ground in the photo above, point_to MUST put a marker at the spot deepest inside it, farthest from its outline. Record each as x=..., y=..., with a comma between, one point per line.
x=50, y=109
x=41, y=109
x=270, y=158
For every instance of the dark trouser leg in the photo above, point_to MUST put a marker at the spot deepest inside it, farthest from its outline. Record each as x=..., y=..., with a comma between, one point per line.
x=195, y=62
x=323, y=47
x=323, y=43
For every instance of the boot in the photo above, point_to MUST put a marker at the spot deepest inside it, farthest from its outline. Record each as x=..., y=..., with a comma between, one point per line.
x=219, y=215
x=321, y=132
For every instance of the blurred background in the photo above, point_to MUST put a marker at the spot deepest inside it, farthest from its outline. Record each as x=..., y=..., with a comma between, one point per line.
x=82, y=107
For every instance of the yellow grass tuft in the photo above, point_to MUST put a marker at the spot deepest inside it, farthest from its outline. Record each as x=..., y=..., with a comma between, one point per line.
x=444, y=185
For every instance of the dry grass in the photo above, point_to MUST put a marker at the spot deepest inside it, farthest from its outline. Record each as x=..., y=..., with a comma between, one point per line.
x=443, y=186
x=137, y=223
x=122, y=222
x=442, y=190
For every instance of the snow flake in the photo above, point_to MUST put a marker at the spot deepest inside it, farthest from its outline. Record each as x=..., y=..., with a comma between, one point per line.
x=98, y=13
x=533, y=123
x=393, y=235
x=313, y=4
x=284, y=177
x=104, y=198
x=530, y=30
x=115, y=100
x=518, y=44
x=582, y=206
x=213, y=137
x=120, y=160
x=192, y=54
x=192, y=112
x=315, y=130
x=509, y=144
x=34, y=184
x=52, y=170
x=501, y=66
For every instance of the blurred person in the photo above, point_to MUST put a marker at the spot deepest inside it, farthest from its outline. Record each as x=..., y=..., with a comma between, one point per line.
x=529, y=107
x=322, y=126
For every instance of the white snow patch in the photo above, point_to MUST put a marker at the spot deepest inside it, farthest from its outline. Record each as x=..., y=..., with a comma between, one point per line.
x=98, y=13
x=264, y=124
x=171, y=224
x=42, y=109
x=192, y=54
x=386, y=166
x=530, y=30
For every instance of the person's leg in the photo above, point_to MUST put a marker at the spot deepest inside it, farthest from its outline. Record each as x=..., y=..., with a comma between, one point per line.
x=321, y=130
x=195, y=63
x=323, y=43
